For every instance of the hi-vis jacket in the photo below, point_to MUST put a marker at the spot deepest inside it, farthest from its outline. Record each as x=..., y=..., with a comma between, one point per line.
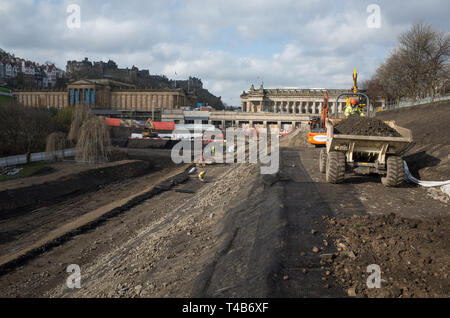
x=353, y=111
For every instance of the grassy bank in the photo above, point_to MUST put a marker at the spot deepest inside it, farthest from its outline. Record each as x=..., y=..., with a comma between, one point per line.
x=27, y=170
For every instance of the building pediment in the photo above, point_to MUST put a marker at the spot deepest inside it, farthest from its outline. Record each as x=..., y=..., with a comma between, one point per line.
x=101, y=82
x=83, y=82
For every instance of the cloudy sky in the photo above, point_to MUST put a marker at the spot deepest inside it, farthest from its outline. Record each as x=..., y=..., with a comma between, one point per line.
x=229, y=44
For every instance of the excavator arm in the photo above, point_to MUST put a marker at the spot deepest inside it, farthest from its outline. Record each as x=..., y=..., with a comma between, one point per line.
x=324, y=110
x=149, y=124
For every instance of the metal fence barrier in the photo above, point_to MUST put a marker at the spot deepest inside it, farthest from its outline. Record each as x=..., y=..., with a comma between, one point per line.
x=35, y=157
x=419, y=102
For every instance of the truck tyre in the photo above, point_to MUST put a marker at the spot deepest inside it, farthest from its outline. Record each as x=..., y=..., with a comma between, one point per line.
x=335, y=167
x=323, y=160
x=395, y=172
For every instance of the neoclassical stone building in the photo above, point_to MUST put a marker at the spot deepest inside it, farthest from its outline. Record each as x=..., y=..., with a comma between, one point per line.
x=293, y=101
x=108, y=94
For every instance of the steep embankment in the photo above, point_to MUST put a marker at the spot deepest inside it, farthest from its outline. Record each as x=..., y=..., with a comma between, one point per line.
x=428, y=157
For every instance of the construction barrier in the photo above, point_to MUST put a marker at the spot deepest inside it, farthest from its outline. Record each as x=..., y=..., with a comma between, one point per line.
x=423, y=101
x=35, y=157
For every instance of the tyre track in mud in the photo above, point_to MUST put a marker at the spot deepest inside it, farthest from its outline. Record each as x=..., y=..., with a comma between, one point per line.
x=153, y=245
x=269, y=250
x=87, y=222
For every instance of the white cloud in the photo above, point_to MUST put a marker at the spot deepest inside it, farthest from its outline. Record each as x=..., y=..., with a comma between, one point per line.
x=318, y=43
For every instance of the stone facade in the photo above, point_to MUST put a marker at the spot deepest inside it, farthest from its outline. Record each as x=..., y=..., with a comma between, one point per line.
x=294, y=101
x=108, y=94
x=43, y=98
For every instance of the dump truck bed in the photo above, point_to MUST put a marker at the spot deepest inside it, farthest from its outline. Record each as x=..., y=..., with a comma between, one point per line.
x=367, y=144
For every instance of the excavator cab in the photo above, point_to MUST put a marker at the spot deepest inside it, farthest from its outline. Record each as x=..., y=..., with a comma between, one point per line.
x=314, y=123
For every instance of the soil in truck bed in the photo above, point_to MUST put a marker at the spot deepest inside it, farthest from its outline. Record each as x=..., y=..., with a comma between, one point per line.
x=365, y=127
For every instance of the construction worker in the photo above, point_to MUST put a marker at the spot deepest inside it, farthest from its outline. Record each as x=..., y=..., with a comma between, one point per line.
x=353, y=109
x=202, y=175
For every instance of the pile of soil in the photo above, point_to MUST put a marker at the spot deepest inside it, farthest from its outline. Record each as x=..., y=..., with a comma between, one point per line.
x=413, y=255
x=149, y=143
x=123, y=132
x=428, y=123
x=296, y=138
x=364, y=126
x=428, y=158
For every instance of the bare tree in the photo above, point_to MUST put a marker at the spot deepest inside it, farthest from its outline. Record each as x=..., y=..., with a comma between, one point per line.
x=418, y=67
x=24, y=128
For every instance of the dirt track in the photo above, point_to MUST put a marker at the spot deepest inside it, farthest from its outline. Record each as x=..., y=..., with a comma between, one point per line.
x=239, y=235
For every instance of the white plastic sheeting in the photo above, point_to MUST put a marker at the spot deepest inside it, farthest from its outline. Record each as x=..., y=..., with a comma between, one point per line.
x=444, y=185
x=409, y=177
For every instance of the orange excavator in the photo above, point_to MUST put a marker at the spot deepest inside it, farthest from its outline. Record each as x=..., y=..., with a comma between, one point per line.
x=317, y=131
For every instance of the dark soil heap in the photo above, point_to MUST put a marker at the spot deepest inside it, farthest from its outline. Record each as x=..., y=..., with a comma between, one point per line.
x=364, y=126
x=413, y=255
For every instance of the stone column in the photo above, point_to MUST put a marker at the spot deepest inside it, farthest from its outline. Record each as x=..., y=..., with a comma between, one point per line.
x=147, y=102
x=123, y=101
x=133, y=101
x=138, y=101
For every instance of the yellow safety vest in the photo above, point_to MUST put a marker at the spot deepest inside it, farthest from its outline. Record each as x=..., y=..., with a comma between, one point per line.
x=350, y=111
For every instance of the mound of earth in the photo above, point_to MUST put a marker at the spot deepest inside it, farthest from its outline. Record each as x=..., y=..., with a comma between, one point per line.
x=428, y=157
x=296, y=138
x=413, y=255
x=428, y=123
x=364, y=126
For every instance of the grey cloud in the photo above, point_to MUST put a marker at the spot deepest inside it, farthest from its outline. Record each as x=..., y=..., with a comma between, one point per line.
x=323, y=40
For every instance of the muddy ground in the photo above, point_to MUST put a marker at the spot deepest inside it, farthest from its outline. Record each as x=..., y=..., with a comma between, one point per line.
x=413, y=255
x=242, y=234
x=24, y=195
x=427, y=157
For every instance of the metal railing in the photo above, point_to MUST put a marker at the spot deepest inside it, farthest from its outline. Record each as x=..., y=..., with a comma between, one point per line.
x=35, y=157
x=426, y=100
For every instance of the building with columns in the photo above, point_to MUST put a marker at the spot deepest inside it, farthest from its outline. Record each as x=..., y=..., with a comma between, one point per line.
x=294, y=101
x=107, y=94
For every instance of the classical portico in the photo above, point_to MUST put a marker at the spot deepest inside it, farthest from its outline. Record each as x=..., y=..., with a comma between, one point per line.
x=108, y=94
x=292, y=101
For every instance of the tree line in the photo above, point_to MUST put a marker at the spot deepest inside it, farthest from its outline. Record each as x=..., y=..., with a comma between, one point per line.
x=23, y=130
x=416, y=68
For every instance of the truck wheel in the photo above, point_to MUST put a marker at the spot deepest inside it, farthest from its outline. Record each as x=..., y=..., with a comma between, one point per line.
x=323, y=160
x=395, y=172
x=335, y=167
